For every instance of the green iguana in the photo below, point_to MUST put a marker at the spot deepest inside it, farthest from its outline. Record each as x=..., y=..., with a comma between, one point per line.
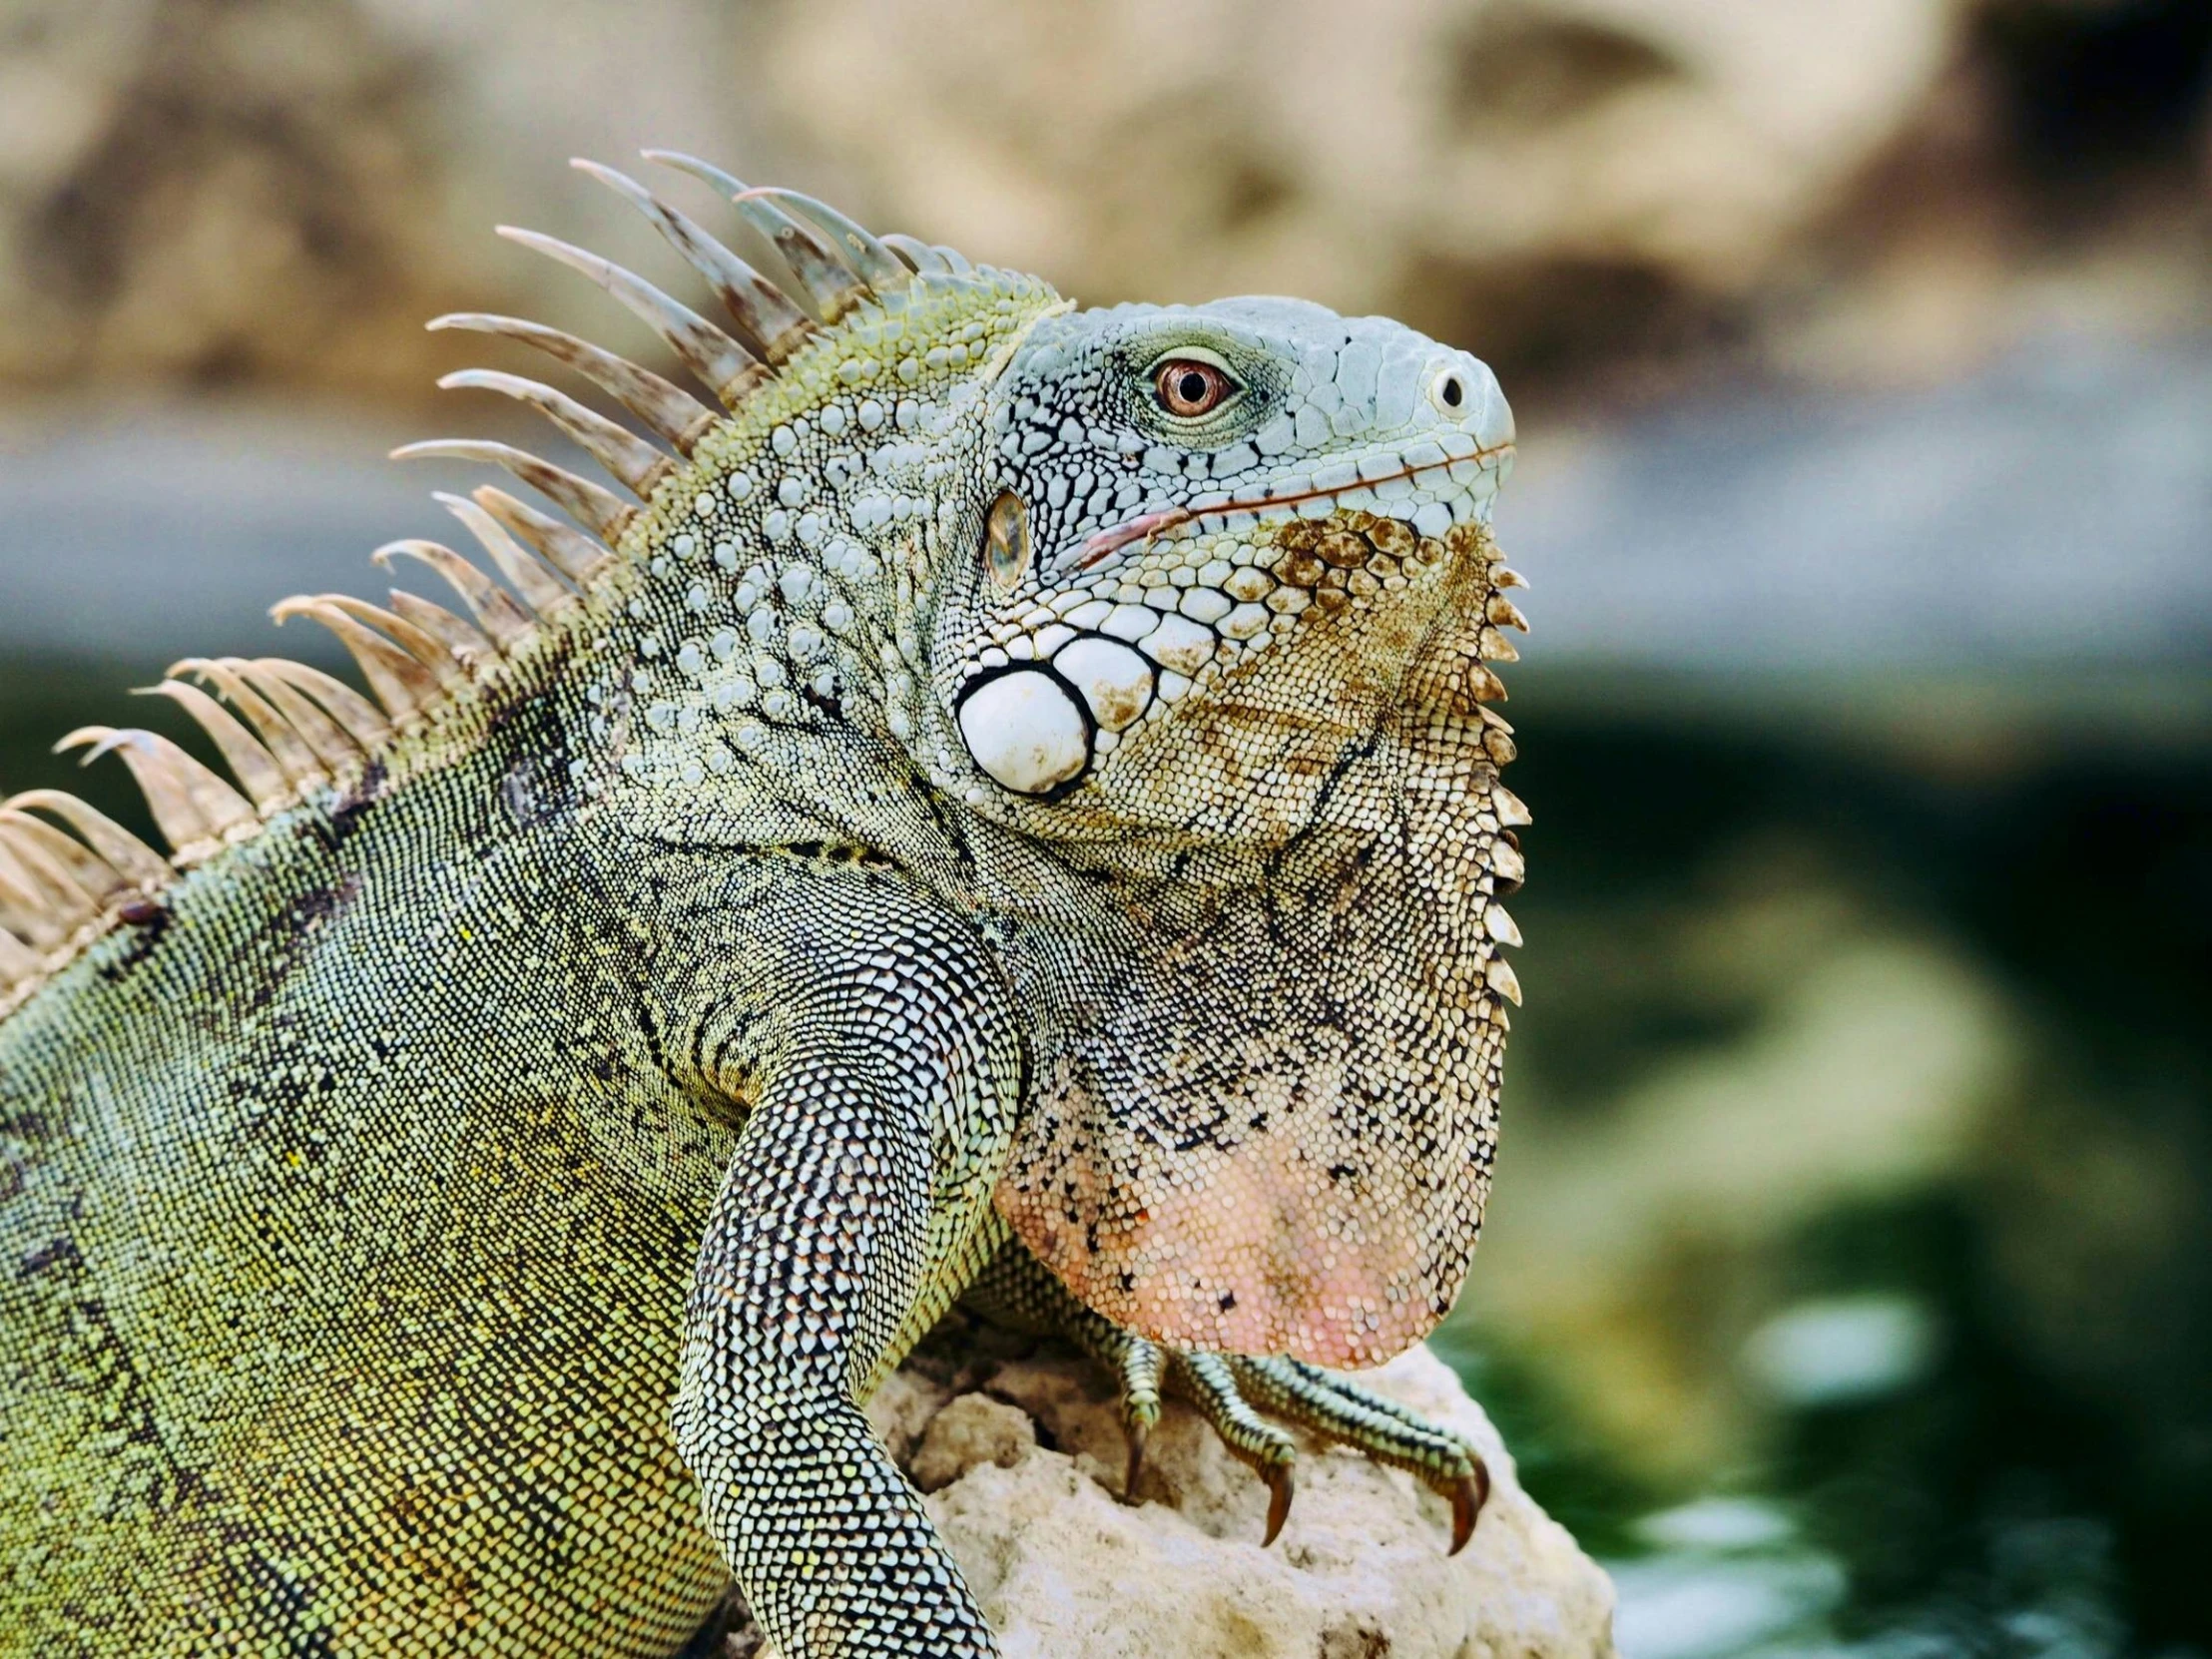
x=1011, y=813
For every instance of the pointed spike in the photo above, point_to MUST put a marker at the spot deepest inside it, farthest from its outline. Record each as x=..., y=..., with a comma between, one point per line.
x=724, y=367
x=336, y=749
x=85, y=867
x=190, y=803
x=494, y=609
x=880, y=267
x=1483, y=683
x=575, y=556
x=17, y=964
x=170, y=804
x=584, y=501
x=1505, y=613
x=429, y=652
x=400, y=683
x=766, y=319
x=1508, y=807
x=222, y=803
x=925, y=261
x=1496, y=647
x=218, y=804
x=540, y=590
x=301, y=767
x=662, y=405
x=1507, y=862
x=24, y=916
x=39, y=917
x=1500, y=976
x=635, y=464
x=69, y=901
x=257, y=768
x=360, y=718
x=1503, y=578
x=954, y=260
x=1499, y=924
x=713, y=177
x=819, y=264
x=816, y=262
x=465, y=646
x=131, y=858
x=44, y=874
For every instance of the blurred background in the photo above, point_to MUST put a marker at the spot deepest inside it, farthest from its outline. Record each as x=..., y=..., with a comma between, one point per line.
x=1848, y=1282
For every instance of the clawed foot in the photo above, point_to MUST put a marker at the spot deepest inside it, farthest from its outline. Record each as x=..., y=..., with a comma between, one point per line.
x=1231, y=1390
x=1227, y=1387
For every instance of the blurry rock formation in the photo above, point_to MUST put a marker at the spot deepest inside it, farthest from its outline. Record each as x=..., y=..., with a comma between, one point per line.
x=279, y=191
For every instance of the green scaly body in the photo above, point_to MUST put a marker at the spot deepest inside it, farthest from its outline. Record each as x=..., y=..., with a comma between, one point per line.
x=458, y=1201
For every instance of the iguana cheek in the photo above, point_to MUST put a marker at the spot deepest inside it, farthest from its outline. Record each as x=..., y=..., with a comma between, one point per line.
x=1025, y=730
x=1113, y=680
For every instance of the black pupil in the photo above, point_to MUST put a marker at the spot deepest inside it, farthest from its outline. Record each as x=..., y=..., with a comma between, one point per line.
x=1190, y=386
x=1452, y=393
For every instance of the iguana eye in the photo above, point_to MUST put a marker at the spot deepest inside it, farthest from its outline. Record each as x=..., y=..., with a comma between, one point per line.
x=1006, y=542
x=1188, y=389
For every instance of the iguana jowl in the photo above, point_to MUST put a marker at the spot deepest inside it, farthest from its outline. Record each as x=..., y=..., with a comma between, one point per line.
x=1012, y=812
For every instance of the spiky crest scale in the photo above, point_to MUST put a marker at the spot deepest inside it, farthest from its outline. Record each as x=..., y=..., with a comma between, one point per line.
x=305, y=738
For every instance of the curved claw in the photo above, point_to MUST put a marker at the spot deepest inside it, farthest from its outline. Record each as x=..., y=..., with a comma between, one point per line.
x=1282, y=1479
x=1139, y=1432
x=1468, y=1493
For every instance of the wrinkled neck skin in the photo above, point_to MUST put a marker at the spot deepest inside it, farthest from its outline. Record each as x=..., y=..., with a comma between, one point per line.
x=1266, y=1097
x=1263, y=1054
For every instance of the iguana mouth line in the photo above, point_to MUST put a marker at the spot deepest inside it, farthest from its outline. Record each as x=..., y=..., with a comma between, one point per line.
x=1144, y=526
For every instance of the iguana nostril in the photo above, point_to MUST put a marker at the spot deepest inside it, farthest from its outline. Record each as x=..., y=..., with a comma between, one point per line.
x=1024, y=730
x=1449, y=391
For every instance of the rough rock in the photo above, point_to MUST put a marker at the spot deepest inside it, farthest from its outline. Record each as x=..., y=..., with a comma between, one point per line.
x=1023, y=1461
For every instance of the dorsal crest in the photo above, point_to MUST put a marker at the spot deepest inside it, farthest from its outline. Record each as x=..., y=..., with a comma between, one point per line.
x=293, y=736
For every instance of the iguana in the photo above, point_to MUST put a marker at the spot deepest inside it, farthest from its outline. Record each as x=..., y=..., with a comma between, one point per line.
x=1011, y=809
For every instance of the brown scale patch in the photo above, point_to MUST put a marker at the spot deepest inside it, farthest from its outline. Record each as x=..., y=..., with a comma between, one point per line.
x=1351, y=557
x=1346, y=550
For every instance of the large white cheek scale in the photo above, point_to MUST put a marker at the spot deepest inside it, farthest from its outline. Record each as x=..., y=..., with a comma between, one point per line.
x=1114, y=680
x=1025, y=730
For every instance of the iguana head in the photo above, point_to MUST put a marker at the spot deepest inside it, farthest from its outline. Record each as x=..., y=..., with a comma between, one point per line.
x=1205, y=543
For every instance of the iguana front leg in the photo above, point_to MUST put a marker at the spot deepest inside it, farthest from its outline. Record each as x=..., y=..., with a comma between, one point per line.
x=882, y=1098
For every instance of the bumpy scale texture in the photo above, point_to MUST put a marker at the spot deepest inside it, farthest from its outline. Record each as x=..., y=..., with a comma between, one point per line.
x=1012, y=805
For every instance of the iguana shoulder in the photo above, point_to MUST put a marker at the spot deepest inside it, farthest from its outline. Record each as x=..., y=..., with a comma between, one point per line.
x=309, y=755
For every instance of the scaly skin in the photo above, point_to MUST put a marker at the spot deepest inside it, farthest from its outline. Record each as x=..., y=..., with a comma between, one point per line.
x=666, y=1022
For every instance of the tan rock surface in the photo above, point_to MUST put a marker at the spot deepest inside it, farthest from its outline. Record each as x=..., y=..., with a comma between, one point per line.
x=1023, y=1461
